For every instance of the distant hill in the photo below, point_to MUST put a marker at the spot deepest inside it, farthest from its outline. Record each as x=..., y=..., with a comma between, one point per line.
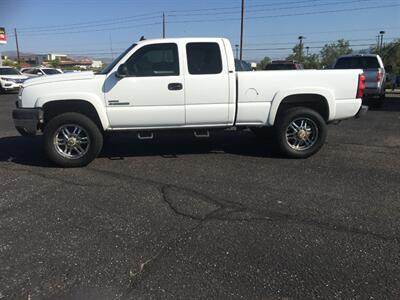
x=13, y=55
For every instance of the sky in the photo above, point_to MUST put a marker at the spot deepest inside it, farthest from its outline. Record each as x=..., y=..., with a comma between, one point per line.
x=104, y=28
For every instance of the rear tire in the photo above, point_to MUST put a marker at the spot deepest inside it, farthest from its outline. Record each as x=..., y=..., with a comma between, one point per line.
x=300, y=132
x=72, y=140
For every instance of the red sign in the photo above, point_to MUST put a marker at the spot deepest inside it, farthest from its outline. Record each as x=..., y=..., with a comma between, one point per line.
x=3, y=37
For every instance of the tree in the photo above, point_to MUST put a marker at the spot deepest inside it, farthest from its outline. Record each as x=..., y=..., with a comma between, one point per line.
x=312, y=61
x=330, y=52
x=390, y=54
x=297, y=55
x=263, y=63
x=9, y=63
x=55, y=63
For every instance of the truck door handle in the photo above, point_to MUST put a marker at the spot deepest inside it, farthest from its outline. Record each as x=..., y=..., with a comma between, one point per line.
x=175, y=86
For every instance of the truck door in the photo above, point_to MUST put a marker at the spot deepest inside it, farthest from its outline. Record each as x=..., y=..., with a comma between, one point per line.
x=152, y=94
x=207, y=84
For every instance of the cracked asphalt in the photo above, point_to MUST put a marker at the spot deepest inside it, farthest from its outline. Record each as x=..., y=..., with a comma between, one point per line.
x=182, y=218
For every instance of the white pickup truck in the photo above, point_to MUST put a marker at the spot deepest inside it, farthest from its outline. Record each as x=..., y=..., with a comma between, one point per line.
x=184, y=83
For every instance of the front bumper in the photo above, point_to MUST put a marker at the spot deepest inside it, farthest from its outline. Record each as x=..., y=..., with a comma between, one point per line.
x=27, y=120
x=362, y=111
x=10, y=86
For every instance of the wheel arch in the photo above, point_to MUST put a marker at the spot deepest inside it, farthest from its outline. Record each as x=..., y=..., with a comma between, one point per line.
x=321, y=101
x=91, y=109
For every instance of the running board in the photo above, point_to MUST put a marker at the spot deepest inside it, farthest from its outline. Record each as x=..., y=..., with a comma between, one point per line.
x=145, y=135
x=202, y=133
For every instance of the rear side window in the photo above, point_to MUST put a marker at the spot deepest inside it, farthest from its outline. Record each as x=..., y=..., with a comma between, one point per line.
x=362, y=62
x=154, y=60
x=204, y=58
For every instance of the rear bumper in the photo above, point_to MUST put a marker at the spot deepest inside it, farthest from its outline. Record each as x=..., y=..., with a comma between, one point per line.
x=361, y=112
x=373, y=91
x=27, y=120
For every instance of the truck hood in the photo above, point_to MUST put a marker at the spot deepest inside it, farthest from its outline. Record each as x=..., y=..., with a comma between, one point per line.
x=58, y=78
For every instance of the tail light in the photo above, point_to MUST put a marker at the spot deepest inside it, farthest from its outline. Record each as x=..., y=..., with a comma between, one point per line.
x=361, y=86
x=379, y=76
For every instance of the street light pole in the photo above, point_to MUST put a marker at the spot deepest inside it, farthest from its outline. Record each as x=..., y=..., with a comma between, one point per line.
x=163, y=28
x=301, y=46
x=241, y=33
x=381, y=46
x=307, y=48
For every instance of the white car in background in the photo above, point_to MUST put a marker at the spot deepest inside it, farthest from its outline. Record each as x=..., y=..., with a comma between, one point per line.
x=10, y=79
x=39, y=71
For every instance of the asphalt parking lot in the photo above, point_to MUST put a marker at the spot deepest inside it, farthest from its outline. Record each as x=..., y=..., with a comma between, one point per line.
x=220, y=218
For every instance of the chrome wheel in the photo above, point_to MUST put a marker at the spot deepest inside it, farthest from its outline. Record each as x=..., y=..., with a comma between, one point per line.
x=302, y=134
x=71, y=141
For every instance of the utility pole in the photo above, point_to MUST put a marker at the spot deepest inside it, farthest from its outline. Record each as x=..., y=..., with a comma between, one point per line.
x=16, y=42
x=163, y=25
x=381, y=46
x=241, y=33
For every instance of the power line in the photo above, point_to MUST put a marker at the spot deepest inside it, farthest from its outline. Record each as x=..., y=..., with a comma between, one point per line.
x=94, y=30
x=317, y=42
x=278, y=8
x=33, y=28
x=287, y=15
x=152, y=14
x=90, y=26
x=95, y=51
x=324, y=32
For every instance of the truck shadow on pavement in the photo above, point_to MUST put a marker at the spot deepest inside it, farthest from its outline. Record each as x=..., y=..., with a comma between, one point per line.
x=29, y=150
x=391, y=103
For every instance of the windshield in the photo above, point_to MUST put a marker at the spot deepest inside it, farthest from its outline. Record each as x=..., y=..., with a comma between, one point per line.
x=9, y=71
x=115, y=61
x=51, y=71
x=362, y=62
x=244, y=66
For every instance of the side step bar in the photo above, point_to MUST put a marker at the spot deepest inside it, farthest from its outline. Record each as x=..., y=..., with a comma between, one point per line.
x=201, y=133
x=145, y=135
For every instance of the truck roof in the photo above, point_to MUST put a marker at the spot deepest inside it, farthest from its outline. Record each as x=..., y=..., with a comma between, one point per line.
x=359, y=55
x=184, y=39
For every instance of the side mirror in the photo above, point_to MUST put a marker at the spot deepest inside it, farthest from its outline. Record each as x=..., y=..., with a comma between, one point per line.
x=122, y=71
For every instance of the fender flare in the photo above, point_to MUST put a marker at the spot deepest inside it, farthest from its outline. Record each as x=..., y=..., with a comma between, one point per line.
x=94, y=100
x=281, y=95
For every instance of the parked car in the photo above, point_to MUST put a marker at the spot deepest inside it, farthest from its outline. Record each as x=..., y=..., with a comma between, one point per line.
x=10, y=79
x=187, y=83
x=34, y=72
x=374, y=71
x=283, y=65
x=241, y=66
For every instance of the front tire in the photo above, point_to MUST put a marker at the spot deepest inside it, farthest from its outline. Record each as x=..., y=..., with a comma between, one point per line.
x=72, y=140
x=300, y=132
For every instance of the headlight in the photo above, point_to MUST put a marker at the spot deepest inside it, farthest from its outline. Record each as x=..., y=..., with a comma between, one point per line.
x=8, y=79
x=20, y=96
x=20, y=92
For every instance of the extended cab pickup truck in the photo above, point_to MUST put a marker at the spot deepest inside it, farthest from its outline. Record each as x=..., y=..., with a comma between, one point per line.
x=184, y=83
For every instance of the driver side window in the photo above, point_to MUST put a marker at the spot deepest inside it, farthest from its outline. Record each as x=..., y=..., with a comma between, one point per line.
x=154, y=60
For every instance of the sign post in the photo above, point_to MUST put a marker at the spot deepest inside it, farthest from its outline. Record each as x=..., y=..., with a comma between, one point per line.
x=3, y=40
